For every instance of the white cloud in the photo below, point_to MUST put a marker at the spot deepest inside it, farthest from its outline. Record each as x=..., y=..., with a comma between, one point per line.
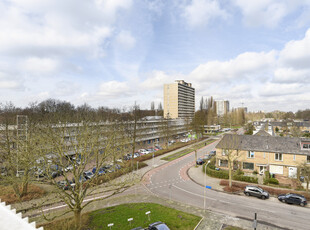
x=290, y=75
x=297, y=53
x=244, y=65
x=200, y=12
x=114, y=89
x=36, y=65
x=157, y=79
x=126, y=40
x=268, y=13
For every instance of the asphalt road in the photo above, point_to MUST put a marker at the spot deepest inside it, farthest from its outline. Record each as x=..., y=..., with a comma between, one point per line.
x=171, y=181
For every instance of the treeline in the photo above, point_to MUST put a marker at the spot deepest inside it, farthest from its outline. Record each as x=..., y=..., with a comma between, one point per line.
x=279, y=115
x=63, y=111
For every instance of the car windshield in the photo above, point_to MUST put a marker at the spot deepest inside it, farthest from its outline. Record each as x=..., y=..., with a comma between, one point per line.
x=162, y=227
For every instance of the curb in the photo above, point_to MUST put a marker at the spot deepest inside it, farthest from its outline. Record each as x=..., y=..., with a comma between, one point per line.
x=198, y=223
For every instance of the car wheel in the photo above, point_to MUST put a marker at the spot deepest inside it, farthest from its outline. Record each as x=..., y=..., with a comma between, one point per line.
x=283, y=201
x=247, y=194
x=302, y=204
x=263, y=197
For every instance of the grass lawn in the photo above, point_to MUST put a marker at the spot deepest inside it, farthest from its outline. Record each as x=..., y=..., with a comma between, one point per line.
x=186, y=151
x=120, y=214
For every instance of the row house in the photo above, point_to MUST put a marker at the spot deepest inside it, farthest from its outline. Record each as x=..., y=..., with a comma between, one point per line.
x=278, y=155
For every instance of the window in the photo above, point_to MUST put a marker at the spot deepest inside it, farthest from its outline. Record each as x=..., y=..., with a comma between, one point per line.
x=224, y=152
x=250, y=154
x=223, y=163
x=278, y=156
x=294, y=158
x=308, y=159
x=247, y=165
x=306, y=146
x=264, y=155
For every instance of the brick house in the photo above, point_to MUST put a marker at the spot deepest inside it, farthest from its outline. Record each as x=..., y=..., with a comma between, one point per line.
x=278, y=155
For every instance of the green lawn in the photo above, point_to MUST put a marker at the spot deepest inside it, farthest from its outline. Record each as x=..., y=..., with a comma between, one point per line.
x=186, y=151
x=119, y=215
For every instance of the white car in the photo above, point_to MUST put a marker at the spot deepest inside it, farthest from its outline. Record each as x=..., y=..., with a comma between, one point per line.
x=143, y=151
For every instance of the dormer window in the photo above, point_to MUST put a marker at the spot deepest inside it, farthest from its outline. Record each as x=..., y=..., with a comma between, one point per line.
x=305, y=146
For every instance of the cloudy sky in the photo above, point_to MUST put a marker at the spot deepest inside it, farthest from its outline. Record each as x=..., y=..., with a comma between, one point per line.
x=115, y=52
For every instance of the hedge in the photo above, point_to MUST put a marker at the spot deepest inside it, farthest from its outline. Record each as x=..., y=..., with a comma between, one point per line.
x=218, y=174
x=245, y=178
x=224, y=174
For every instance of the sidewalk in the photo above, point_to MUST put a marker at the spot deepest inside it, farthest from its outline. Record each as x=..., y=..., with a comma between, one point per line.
x=197, y=175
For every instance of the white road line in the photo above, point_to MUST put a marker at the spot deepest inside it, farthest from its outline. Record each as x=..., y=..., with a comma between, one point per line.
x=225, y=202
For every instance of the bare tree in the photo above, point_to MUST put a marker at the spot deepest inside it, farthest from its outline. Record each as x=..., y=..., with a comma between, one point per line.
x=75, y=148
x=230, y=150
x=304, y=170
x=17, y=154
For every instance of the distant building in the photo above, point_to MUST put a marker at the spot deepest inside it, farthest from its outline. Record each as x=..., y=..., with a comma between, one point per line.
x=245, y=109
x=222, y=107
x=179, y=100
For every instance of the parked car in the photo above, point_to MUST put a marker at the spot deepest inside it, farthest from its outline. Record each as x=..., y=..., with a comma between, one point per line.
x=212, y=153
x=151, y=150
x=100, y=171
x=158, y=226
x=206, y=157
x=200, y=161
x=293, y=198
x=68, y=168
x=158, y=147
x=88, y=175
x=64, y=185
x=137, y=228
x=143, y=151
x=256, y=191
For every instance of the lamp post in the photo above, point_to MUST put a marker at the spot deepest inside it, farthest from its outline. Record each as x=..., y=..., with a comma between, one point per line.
x=204, y=188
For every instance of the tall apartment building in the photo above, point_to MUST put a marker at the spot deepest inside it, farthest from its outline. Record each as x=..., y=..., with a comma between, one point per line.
x=222, y=107
x=179, y=100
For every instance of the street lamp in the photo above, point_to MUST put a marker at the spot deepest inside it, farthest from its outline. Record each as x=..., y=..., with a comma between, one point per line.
x=204, y=188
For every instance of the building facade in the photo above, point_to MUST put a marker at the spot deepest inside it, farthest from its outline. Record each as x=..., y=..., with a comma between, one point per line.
x=222, y=107
x=278, y=155
x=179, y=100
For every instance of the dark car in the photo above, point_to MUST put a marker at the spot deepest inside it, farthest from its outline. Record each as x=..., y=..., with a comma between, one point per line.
x=137, y=228
x=206, y=157
x=158, y=226
x=212, y=153
x=200, y=161
x=256, y=191
x=65, y=185
x=292, y=198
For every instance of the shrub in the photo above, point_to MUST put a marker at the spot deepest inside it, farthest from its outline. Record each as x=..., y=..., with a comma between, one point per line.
x=223, y=174
x=245, y=178
x=239, y=172
x=273, y=181
x=255, y=172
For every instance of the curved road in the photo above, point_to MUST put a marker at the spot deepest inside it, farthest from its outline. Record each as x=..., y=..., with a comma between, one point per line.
x=171, y=181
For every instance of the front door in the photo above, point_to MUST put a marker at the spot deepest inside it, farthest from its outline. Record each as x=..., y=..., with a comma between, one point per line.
x=262, y=169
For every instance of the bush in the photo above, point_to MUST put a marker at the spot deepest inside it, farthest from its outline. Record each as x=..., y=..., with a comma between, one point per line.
x=239, y=172
x=245, y=178
x=255, y=172
x=273, y=181
x=222, y=174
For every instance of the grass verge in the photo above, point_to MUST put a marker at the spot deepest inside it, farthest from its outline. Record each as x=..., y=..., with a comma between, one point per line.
x=186, y=151
x=8, y=195
x=119, y=215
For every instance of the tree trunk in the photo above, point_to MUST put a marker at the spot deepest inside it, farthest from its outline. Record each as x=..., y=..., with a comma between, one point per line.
x=307, y=188
x=77, y=218
x=24, y=189
x=229, y=173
